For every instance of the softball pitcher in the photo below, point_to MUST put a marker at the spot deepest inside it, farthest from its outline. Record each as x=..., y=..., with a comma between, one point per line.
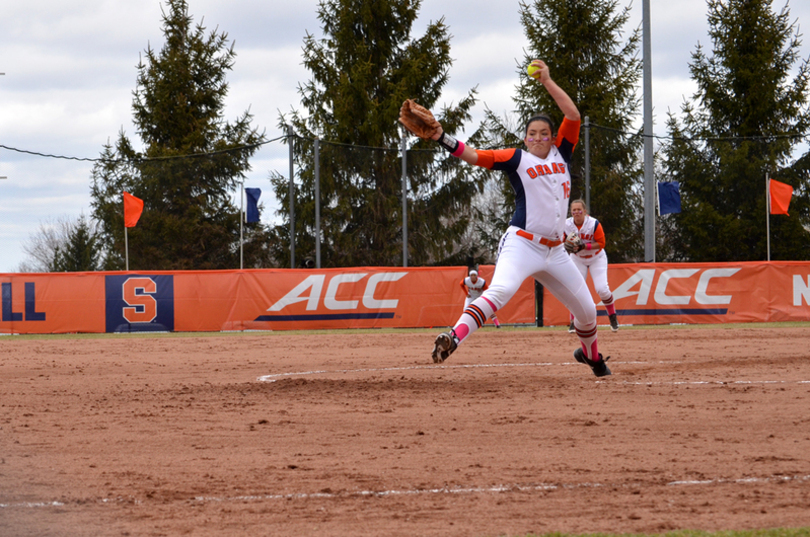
x=589, y=256
x=474, y=286
x=532, y=245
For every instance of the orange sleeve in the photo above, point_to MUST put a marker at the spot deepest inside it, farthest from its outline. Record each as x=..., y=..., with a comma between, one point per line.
x=488, y=157
x=599, y=235
x=463, y=287
x=486, y=286
x=569, y=130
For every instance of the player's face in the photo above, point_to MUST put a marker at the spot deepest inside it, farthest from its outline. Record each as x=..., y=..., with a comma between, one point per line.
x=473, y=278
x=578, y=212
x=538, y=138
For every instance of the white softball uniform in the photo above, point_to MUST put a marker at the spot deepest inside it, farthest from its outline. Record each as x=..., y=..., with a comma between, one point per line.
x=532, y=246
x=587, y=261
x=474, y=290
x=519, y=258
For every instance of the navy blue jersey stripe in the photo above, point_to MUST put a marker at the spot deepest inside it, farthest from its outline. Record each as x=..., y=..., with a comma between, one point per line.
x=566, y=149
x=510, y=167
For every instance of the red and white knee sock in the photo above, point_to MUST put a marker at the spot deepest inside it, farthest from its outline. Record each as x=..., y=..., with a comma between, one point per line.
x=611, y=309
x=473, y=318
x=588, y=340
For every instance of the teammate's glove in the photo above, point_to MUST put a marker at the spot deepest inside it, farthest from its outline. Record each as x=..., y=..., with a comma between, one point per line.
x=573, y=243
x=418, y=119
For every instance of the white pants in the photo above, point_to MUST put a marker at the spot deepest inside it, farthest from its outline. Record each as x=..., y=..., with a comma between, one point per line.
x=469, y=300
x=519, y=258
x=598, y=267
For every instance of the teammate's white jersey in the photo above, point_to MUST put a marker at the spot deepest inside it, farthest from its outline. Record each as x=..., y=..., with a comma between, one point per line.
x=586, y=232
x=474, y=290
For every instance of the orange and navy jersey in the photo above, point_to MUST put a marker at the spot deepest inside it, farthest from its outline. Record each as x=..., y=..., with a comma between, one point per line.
x=474, y=290
x=590, y=231
x=542, y=186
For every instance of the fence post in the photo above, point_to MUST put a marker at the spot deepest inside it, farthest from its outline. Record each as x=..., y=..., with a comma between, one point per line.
x=317, y=203
x=768, y=213
x=538, y=300
x=404, y=199
x=242, y=226
x=292, y=198
x=588, y=162
x=649, y=169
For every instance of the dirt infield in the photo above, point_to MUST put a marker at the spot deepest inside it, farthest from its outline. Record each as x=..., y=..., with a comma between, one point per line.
x=355, y=433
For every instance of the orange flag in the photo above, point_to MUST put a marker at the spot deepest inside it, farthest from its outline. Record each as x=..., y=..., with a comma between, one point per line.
x=780, y=196
x=133, y=207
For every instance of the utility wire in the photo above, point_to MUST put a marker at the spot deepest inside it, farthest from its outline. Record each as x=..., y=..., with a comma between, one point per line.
x=259, y=144
x=144, y=159
x=699, y=139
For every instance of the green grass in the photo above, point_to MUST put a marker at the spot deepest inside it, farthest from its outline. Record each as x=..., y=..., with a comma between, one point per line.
x=788, y=324
x=780, y=532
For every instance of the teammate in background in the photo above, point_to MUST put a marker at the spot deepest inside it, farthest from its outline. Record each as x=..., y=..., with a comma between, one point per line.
x=532, y=245
x=473, y=286
x=590, y=256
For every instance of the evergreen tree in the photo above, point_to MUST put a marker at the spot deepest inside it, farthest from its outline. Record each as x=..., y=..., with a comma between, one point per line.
x=733, y=134
x=362, y=71
x=189, y=220
x=64, y=244
x=81, y=251
x=580, y=42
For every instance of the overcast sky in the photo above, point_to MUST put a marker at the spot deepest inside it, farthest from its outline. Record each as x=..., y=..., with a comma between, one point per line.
x=70, y=71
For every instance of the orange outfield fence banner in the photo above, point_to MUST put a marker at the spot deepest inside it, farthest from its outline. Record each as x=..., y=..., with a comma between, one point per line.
x=700, y=293
x=267, y=299
x=374, y=297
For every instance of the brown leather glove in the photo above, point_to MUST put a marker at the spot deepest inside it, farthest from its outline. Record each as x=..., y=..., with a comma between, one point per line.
x=418, y=119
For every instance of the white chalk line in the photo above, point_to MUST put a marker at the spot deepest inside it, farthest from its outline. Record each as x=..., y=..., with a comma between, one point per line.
x=434, y=491
x=276, y=376
x=57, y=503
x=744, y=480
x=492, y=490
x=31, y=504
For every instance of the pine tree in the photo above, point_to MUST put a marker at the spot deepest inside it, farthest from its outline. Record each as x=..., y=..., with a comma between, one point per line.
x=64, y=244
x=81, y=251
x=734, y=132
x=580, y=42
x=363, y=68
x=189, y=220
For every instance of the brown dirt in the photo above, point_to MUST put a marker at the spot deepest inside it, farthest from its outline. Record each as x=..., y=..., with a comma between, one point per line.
x=358, y=434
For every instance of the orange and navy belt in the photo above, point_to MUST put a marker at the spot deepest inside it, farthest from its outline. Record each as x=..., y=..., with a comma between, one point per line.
x=551, y=243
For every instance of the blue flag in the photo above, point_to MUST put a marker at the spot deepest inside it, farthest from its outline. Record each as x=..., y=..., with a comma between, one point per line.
x=252, y=195
x=669, y=197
